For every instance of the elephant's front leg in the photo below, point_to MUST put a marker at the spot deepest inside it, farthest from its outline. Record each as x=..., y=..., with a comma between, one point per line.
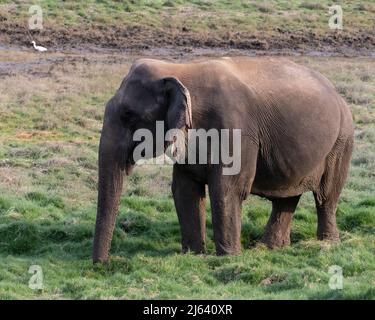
x=226, y=206
x=189, y=199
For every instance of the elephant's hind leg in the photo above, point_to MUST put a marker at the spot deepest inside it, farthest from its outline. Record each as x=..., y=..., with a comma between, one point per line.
x=326, y=210
x=277, y=233
x=332, y=182
x=189, y=198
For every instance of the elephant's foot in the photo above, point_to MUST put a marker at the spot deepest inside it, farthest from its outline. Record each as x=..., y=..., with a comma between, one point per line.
x=276, y=239
x=228, y=250
x=327, y=227
x=326, y=209
x=198, y=248
x=328, y=234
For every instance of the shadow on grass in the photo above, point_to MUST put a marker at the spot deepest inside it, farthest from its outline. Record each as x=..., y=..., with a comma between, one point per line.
x=133, y=235
x=148, y=227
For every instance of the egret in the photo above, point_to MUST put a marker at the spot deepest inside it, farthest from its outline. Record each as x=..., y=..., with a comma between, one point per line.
x=38, y=48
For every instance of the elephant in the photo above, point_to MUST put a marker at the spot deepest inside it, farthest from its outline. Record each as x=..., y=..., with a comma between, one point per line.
x=296, y=136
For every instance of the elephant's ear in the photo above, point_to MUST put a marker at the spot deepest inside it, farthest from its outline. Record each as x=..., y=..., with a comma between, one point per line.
x=179, y=104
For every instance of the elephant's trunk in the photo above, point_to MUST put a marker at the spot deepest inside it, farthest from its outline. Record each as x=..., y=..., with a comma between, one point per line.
x=111, y=172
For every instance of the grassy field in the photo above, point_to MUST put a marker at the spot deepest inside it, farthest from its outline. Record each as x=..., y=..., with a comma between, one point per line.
x=199, y=15
x=297, y=24
x=51, y=109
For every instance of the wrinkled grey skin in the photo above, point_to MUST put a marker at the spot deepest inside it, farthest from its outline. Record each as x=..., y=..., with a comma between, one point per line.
x=297, y=136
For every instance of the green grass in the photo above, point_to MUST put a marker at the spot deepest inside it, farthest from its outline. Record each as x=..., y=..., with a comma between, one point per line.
x=49, y=134
x=199, y=15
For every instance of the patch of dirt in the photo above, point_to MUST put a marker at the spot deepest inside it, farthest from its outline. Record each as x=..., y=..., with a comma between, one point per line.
x=141, y=38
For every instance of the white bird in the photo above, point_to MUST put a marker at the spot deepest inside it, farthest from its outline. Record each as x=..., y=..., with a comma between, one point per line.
x=38, y=48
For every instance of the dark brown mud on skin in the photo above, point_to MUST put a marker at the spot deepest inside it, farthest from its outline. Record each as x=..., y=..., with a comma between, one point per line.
x=141, y=38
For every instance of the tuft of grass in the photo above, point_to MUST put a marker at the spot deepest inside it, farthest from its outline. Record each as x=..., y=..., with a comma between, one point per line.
x=19, y=237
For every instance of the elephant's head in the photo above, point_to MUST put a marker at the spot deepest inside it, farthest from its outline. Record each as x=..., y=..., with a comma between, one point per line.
x=144, y=97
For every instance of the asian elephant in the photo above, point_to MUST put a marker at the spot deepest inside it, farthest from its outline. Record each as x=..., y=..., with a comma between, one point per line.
x=296, y=136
